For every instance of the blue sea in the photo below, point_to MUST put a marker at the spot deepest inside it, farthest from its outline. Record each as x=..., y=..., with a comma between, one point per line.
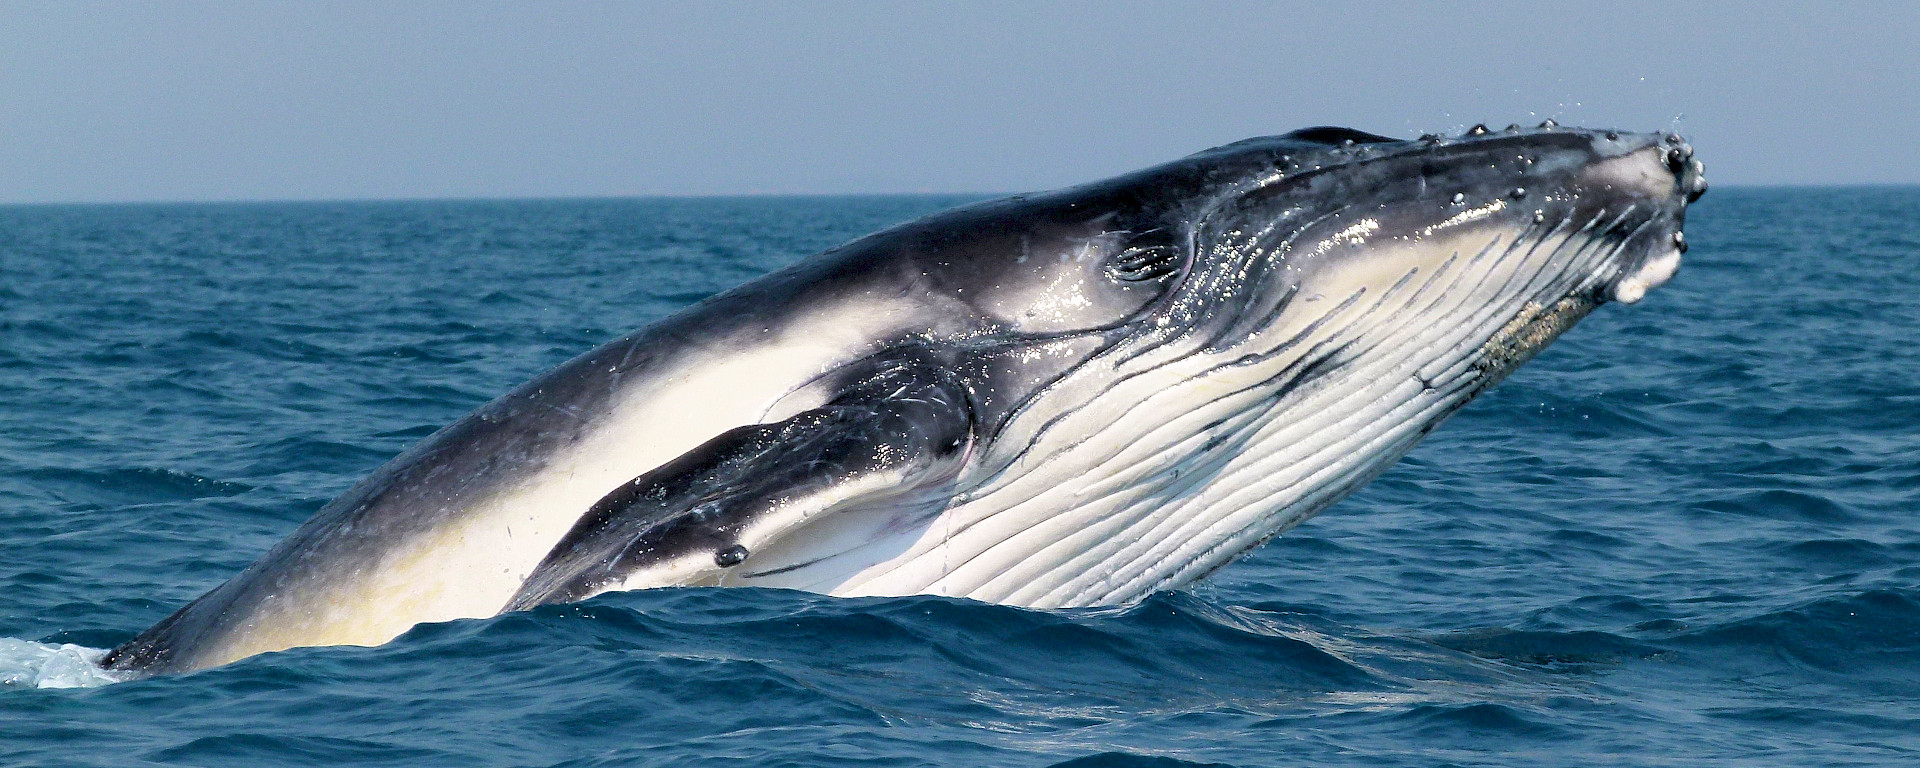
x=1687, y=534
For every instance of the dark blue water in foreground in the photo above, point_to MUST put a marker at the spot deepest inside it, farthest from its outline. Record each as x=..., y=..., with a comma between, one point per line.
x=1688, y=534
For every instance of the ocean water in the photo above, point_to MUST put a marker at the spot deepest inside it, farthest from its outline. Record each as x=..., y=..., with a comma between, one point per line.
x=1687, y=534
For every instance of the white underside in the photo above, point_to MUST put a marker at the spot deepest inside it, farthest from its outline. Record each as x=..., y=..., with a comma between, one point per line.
x=1653, y=274
x=470, y=566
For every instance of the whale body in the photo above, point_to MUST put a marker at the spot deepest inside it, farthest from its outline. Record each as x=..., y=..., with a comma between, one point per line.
x=1069, y=398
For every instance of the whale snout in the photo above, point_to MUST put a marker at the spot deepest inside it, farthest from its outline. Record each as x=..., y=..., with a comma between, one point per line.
x=1689, y=174
x=1659, y=169
x=1660, y=174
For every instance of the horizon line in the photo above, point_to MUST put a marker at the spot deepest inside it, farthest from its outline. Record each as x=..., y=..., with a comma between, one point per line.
x=712, y=196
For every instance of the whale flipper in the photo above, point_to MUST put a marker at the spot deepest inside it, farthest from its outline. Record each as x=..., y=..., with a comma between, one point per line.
x=903, y=427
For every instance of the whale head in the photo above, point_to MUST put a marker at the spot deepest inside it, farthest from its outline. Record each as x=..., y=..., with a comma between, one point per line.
x=1305, y=308
x=1487, y=221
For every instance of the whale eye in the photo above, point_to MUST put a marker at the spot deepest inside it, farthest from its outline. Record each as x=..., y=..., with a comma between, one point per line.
x=1141, y=263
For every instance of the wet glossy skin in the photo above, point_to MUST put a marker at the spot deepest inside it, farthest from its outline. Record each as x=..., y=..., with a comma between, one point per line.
x=809, y=429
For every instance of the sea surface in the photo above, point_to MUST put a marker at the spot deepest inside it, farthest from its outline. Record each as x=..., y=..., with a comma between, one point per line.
x=1686, y=535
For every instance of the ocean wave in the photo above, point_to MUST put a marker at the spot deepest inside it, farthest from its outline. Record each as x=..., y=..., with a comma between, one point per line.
x=1872, y=634
x=1681, y=536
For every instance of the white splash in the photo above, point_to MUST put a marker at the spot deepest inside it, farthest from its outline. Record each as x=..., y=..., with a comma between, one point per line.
x=27, y=664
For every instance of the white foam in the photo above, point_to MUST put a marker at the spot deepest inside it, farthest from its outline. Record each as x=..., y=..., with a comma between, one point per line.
x=27, y=664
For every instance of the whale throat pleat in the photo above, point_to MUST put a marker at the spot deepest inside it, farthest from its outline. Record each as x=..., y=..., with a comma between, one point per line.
x=1178, y=466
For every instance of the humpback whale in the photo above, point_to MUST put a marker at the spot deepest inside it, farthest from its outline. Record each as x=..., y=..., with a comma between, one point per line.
x=1068, y=398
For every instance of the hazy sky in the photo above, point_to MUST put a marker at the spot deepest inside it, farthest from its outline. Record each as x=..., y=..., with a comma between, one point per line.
x=241, y=101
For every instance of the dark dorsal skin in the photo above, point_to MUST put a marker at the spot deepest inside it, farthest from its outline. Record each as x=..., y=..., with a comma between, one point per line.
x=821, y=417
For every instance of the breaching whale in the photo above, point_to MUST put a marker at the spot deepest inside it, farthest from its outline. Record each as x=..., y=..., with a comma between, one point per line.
x=1069, y=398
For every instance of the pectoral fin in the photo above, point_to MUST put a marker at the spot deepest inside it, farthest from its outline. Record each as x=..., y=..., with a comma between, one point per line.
x=901, y=427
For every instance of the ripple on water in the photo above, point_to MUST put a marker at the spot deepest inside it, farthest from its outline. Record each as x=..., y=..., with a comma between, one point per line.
x=1682, y=536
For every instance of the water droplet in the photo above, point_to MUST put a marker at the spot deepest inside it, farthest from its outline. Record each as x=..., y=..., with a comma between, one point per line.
x=1549, y=124
x=1519, y=191
x=1613, y=135
x=1459, y=197
x=1478, y=129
